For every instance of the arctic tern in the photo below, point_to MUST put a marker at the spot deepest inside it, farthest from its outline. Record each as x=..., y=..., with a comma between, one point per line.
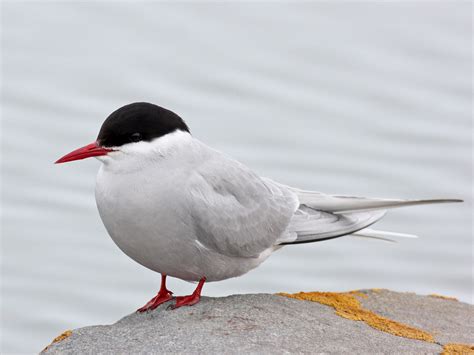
x=183, y=209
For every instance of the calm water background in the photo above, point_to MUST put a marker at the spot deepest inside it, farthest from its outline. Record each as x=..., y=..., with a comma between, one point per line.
x=362, y=99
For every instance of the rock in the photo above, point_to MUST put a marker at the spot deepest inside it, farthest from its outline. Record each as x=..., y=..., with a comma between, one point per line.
x=263, y=323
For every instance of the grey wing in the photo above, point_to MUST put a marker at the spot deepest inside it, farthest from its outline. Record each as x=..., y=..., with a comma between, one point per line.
x=235, y=212
x=321, y=216
x=312, y=223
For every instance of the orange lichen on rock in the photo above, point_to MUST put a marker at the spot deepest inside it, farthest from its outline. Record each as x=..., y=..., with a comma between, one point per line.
x=59, y=338
x=347, y=306
x=443, y=297
x=457, y=349
x=62, y=336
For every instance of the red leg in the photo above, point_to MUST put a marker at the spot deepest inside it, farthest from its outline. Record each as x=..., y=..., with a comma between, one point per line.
x=191, y=299
x=163, y=296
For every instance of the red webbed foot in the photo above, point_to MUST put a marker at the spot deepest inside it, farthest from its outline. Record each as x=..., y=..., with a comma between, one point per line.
x=156, y=301
x=189, y=300
x=186, y=301
x=164, y=295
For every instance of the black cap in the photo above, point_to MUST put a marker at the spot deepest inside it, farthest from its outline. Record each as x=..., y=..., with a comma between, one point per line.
x=140, y=121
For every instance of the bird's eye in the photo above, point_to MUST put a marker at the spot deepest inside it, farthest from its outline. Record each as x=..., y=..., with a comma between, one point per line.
x=136, y=137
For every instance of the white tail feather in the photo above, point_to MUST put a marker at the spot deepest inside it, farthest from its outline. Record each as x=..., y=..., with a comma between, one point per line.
x=381, y=235
x=377, y=233
x=370, y=237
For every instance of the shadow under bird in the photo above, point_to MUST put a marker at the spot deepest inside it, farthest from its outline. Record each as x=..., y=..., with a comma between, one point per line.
x=183, y=209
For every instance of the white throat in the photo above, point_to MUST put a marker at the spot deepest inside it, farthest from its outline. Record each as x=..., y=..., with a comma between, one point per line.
x=135, y=156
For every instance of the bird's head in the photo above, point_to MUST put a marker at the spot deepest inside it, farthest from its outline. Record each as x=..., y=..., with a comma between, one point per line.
x=132, y=130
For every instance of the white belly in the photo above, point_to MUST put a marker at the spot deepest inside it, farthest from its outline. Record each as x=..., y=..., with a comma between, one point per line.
x=150, y=223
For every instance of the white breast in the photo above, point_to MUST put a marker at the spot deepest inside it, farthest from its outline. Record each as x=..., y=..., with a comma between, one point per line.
x=142, y=202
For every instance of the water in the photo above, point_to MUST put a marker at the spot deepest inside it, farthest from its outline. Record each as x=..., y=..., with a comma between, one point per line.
x=363, y=99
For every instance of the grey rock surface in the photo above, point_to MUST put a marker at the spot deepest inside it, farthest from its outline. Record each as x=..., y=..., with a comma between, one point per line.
x=449, y=321
x=263, y=323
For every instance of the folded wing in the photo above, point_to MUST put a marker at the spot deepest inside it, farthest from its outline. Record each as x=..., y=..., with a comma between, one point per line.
x=234, y=212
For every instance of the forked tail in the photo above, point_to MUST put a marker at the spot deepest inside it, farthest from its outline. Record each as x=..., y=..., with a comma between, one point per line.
x=322, y=217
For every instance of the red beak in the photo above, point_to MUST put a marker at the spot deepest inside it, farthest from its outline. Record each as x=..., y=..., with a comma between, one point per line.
x=90, y=150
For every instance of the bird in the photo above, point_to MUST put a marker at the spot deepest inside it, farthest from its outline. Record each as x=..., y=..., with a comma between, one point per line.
x=185, y=210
